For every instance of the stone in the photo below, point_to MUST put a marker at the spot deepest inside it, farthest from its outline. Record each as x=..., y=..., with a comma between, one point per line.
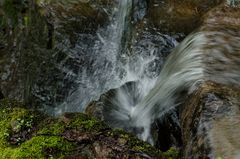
x=210, y=122
x=176, y=16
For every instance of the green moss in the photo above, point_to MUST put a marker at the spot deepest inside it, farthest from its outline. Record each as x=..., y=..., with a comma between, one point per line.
x=46, y=140
x=26, y=20
x=139, y=145
x=10, y=112
x=172, y=153
x=47, y=137
x=52, y=126
x=85, y=122
x=134, y=143
x=39, y=146
x=36, y=147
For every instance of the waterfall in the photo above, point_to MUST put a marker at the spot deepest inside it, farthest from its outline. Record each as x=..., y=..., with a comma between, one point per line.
x=204, y=55
x=104, y=67
x=196, y=59
x=111, y=63
x=182, y=70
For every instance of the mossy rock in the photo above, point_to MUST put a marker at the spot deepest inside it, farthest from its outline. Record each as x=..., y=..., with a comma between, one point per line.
x=19, y=134
x=25, y=133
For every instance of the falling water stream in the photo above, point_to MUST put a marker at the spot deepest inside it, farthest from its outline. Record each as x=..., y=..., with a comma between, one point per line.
x=202, y=56
x=104, y=70
x=112, y=63
x=152, y=95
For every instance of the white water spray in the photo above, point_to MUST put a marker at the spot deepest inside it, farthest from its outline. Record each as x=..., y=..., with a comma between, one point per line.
x=204, y=55
x=182, y=70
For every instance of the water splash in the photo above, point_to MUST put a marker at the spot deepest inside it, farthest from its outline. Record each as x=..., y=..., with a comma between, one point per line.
x=182, y=70
x=204, y=55
x=110, y=64
x=143, y=70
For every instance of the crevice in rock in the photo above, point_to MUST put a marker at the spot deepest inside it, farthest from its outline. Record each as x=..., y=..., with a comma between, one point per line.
x=167, y=132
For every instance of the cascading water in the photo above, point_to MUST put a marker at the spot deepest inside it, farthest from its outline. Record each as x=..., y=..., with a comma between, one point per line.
x=111, y=64
x=182, y=70
x=192, y=62
x=204, y=55
x=154, y=98
x=211, y=53
x=104, y=68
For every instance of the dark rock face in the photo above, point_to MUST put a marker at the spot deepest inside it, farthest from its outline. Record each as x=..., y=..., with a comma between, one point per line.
x=139, y=9
x=167, y=131
x=209, y=122
x=173, y=16
x=42, y=42
x=1, y=95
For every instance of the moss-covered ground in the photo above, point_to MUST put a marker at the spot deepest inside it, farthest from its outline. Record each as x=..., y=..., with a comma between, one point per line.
x=25, y=133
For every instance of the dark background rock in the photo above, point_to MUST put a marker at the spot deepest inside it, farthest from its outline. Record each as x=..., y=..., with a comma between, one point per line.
x=38, y=43
x=177, y=16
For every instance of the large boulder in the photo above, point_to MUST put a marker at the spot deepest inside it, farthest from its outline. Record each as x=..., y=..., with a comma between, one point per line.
x=210, y=122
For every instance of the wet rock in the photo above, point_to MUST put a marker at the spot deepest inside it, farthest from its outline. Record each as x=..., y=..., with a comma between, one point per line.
x=102, y=108
x=139, y=10
x=166, y=132
x=210, y=122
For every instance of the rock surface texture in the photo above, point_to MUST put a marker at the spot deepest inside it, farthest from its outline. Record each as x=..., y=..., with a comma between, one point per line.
x=210, y=122
x=42, y=41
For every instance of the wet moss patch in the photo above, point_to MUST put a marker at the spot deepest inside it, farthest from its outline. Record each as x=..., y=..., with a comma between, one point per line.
x=19, y=137
x=25, y=133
